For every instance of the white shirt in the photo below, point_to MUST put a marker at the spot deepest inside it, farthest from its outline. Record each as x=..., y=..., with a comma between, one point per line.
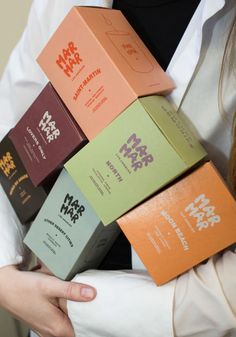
x=204, y=300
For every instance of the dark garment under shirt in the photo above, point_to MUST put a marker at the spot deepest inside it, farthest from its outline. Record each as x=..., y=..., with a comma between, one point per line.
x=160, y=24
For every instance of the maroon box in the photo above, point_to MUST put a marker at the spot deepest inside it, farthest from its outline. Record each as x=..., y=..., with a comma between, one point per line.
x=46, y=136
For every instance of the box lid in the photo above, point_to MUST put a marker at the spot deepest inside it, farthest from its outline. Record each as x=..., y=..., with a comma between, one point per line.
x=174, y=129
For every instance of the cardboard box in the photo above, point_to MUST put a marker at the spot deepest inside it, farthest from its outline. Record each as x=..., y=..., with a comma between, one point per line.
x=67, y=235
x=99, y=66
x=46, y=135
x=141, y=151
x=183, y=225
x=25, y=198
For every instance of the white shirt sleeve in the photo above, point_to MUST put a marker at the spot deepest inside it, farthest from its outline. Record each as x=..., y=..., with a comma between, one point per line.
x=11, y=246
x=129, y=304
x=205, y=299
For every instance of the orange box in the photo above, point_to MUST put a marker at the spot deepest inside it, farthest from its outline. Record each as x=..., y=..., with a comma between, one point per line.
x=183, y=225
x=99, y=66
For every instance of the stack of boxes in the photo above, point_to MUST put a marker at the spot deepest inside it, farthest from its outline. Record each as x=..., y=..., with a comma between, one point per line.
x=33, y=152
x=137, y=146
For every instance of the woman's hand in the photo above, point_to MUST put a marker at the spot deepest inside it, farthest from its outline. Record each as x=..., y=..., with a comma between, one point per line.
x=33, y=297
x=63, y=305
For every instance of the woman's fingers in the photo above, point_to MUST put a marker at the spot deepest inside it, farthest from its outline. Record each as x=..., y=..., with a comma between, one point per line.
x=63, y=305
x=72, y=291
x=34, y=298
x=67, y=290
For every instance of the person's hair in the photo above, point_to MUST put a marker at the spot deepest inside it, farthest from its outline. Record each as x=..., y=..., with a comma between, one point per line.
x=229, y=68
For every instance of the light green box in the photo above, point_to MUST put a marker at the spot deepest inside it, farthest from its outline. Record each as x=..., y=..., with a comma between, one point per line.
x=67, y=235
x=142, y=150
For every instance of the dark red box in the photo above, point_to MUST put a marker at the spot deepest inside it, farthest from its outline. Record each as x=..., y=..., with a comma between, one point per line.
x=46, y=136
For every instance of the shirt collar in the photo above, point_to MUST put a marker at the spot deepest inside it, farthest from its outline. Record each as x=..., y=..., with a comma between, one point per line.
x=187, y=54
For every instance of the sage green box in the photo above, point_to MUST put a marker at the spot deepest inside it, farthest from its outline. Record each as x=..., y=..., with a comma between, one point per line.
x=142, y=150
x=67, y=235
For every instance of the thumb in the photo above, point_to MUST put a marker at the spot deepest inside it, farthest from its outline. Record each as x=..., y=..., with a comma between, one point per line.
x=70, y=290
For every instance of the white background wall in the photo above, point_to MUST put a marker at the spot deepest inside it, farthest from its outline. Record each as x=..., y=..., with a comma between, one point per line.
x=13, y=17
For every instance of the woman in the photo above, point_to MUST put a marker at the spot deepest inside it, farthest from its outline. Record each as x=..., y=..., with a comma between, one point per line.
x=206, y=291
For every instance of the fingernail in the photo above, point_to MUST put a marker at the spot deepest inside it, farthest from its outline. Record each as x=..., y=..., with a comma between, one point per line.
x=87, y=293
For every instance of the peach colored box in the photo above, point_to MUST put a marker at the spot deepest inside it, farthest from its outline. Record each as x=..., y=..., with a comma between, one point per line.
x=99, y=66
x=183, y=225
